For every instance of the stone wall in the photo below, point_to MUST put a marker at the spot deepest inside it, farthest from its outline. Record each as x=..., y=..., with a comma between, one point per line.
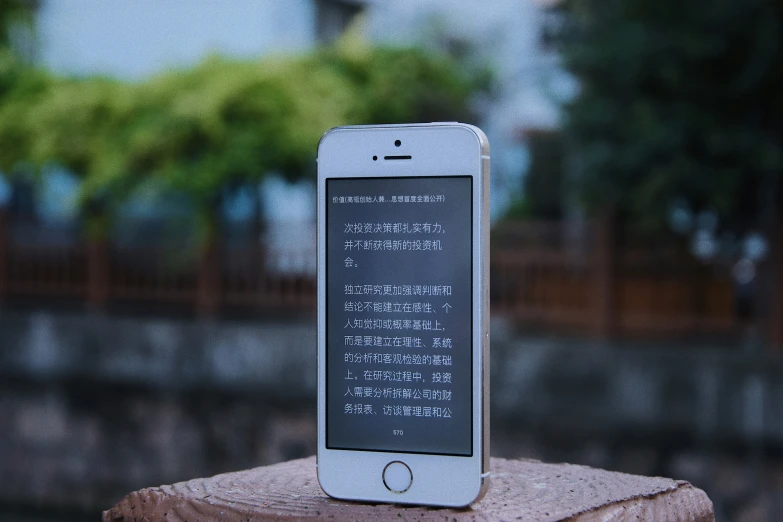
x=94, y=406
x=707, y=393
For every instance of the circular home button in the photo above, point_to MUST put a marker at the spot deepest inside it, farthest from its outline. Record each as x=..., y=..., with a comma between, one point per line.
x=397, y=477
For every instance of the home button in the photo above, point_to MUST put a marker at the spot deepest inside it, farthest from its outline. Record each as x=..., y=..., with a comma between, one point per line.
x=397, y=477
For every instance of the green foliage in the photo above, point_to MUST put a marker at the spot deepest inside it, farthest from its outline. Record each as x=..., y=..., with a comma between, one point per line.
x=679, y=100
x=544, y=186
x=20, y=84
x=21, y=89
x=219, y=125
x=405, y=85
x=224, y=124
x=14, y=13
x=519, y=210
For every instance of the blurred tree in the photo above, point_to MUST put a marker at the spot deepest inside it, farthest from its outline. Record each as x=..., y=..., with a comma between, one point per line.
x=225, y=124
x=543, y=194
x=18, y=80
x=77, y=124
x=15, y=14
x=404, y=85
x=679, y=101
x=83, y=125
x=221, y=125
x=16, y=21
x=21, y=88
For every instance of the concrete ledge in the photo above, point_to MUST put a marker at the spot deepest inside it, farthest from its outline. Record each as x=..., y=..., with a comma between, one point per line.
x=520, y=489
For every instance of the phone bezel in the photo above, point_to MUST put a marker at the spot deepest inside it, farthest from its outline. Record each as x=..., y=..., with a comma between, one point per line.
x=447, y=150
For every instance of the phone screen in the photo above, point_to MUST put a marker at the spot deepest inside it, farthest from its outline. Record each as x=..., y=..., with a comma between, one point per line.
x=399, y=314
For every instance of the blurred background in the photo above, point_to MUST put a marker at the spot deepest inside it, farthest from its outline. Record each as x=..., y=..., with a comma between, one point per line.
x=157, y=235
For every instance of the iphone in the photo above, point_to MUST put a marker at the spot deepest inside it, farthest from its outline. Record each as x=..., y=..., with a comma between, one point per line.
x=403, y=330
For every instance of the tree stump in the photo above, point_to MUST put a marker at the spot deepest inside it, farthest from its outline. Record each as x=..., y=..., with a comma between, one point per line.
x=519, y=490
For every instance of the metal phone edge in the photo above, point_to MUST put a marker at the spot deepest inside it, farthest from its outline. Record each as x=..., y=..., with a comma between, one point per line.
x=484, y=217
x=485, y=337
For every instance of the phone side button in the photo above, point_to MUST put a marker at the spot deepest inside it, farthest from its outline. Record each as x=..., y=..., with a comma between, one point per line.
x=397, y=477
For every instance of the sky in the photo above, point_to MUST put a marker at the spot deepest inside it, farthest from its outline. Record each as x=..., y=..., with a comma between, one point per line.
x=133, y=39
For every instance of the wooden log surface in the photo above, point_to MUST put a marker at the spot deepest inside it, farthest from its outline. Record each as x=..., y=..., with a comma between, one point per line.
x=519, y=490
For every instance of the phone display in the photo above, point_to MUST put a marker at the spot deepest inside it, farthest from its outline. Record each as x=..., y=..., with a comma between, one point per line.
x=399, y=303
x=403, y=319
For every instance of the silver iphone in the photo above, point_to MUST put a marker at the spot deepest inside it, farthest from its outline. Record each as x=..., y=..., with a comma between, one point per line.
x=403, y=313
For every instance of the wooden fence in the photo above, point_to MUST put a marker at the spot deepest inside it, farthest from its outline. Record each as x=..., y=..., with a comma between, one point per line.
x=586, y=278
x=207, y=280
